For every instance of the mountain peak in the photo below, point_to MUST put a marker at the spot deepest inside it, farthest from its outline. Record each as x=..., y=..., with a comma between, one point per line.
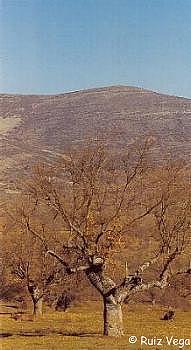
x=39, y=127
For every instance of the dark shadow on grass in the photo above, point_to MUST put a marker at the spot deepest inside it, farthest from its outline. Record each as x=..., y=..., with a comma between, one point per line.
x=5, y=335
x=12, y=306
x=11, y=313
x=40, y=333
x=77, y=334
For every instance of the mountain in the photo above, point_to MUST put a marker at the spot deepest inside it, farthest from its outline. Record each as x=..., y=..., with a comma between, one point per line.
x=39, y=127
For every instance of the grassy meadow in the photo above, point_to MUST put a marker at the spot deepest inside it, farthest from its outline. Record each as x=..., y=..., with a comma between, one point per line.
x=80, y=328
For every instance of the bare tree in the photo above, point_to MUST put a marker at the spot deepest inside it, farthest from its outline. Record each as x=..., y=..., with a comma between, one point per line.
x=26, y=259
x=96, y=198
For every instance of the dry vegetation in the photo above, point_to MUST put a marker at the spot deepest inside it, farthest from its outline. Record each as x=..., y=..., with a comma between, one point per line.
x=100, y=228
x=79, y=329
x=116, y=221
x=115, y=115
x=7, y=124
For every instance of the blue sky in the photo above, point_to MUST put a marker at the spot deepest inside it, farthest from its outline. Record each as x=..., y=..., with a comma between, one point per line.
x=53, y=46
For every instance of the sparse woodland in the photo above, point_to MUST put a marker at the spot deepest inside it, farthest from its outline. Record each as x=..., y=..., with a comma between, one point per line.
x=116, y=223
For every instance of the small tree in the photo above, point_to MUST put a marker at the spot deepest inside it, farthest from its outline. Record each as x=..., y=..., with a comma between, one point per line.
x=96, y=198
x=26, y=258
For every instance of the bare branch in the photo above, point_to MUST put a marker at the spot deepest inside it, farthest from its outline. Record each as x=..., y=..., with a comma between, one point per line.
x=59, y=258
x=147, y=264
x=36, y=234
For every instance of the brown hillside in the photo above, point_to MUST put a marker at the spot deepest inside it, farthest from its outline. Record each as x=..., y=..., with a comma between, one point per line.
x=40, y=127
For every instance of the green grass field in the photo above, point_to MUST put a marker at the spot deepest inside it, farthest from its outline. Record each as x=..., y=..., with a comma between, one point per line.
x=80, y=328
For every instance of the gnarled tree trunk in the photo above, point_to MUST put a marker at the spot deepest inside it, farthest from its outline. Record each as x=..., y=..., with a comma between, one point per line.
x=37, y=307
x=112, y=312
x=113, y=319
x=37, y=298
x=114, y=295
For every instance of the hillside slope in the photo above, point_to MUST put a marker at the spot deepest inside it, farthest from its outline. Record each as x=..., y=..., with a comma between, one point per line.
x=40, y=127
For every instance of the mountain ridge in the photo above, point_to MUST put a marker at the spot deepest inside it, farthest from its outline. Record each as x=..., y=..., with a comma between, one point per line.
x=116, y=115
x=91, y=89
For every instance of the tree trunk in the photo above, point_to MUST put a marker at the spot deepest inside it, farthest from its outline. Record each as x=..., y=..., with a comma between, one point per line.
x=113, y=319
x=37, y=307
x=37, y=298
